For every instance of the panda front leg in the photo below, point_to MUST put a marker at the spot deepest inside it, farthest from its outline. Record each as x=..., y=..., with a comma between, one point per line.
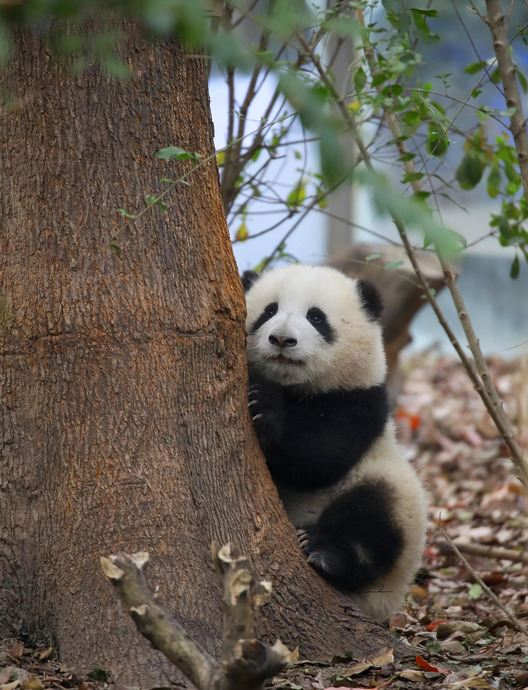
x=355, y=540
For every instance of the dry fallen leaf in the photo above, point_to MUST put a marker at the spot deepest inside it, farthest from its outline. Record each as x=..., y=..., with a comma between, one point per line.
x=422, y=663
x=5, y=674
x=10, y=686
x=32, y=683
x=16, y=650
x=377, y=662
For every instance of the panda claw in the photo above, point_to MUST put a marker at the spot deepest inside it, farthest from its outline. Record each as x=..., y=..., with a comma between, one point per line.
x=257, y=416
x=252, y=402
x=302, y=536
x=253, y=389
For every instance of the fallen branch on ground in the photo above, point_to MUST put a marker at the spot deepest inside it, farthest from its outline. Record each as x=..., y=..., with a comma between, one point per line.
x=486, y=551
x=518, y=626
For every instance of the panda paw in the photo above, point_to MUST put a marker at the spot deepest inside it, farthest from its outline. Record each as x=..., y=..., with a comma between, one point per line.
x=314, y=556
x=266, y=409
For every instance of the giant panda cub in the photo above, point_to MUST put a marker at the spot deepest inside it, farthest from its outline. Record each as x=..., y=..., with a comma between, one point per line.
x=319, y=406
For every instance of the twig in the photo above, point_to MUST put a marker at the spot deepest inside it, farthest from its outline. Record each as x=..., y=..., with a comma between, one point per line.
x=487, y=551
x=484, y=586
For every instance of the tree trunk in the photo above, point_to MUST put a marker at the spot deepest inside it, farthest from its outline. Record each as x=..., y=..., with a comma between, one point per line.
x=123, y=422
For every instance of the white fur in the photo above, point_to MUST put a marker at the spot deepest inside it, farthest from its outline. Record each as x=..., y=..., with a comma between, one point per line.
x=355, y=360
x=382, y=461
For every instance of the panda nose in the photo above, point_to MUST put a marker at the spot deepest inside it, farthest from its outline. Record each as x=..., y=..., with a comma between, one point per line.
x=281, y=341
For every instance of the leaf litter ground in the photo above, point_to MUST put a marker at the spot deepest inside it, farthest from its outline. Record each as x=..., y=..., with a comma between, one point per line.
x=462, y=637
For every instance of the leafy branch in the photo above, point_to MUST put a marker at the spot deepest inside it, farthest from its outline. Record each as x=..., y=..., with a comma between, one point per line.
x=477, y=370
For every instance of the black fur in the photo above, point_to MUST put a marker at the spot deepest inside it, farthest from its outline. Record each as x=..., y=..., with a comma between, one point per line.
x=320, y=322
x=312, y=441
x=248, y=278
x=355, y=539
x=370, y=298
x=268, y=313
x=315, y=316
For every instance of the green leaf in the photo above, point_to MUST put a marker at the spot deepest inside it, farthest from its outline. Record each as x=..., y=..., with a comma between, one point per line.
x=343, y=27
x=514, y=270
x=428, y=13
x=522, y=80
x=412, y=177
x=393, y=90
x=418, y=17
x=410, y=212
x=297, y=195
x=476, y=67
x=437, y=143
x=493, y=182
x=323, y=201
x=495, y=76
x=372, y=257
x=360, y=79
x=391, y=265
x=311, y=104
x=470, y=171
x=125, y=214
x=175, y=153
x=422, y=195
x=511, y=172
x=475, y=591
x=412, y=117
x=153, y=200
x=380, y=79
x=242, y=232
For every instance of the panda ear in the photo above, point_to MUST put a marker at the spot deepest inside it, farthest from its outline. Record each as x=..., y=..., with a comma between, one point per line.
x=248, y=278
x=371, y=298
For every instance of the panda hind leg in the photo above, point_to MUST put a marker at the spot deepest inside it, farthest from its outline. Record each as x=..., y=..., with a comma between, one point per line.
x=355, y=539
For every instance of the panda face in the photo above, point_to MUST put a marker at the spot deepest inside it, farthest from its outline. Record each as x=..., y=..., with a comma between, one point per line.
x=290, y=340
x=308, y=326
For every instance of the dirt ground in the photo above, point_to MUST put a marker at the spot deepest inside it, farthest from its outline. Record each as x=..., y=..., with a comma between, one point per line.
x=463, y=638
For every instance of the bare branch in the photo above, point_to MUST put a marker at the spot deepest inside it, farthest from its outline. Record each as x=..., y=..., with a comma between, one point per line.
x=126, y=572
x=246, y=662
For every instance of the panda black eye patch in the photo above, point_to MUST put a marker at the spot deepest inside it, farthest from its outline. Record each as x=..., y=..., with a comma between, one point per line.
x=269, y=312
x=318, y=319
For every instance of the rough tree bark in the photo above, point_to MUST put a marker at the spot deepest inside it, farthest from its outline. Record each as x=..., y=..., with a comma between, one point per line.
x=123, y=423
